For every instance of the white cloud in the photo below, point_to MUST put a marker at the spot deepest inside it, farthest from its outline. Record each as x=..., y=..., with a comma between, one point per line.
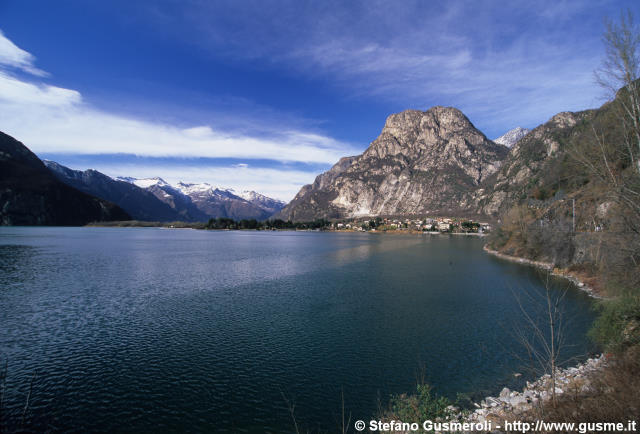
x=21, y=94
x=56, y=120
x=15, y=57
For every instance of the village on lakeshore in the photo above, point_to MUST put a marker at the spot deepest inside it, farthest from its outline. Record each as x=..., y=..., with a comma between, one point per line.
x=426, y=224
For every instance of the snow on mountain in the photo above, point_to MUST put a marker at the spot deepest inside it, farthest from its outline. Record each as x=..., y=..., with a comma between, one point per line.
x=211, y=200
x=128, y=179
x=266, y=203
x=144, y=182
x=512, y=137
x=170, y=195
x=189, y=189
x=200, y=189
x=250, y=195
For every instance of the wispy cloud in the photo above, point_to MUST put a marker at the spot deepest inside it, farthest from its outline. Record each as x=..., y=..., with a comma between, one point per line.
x=13, y=56
x=465, y=57
x=485, y=57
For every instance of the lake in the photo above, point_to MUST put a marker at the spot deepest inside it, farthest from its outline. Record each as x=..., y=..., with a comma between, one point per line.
x=160, y=330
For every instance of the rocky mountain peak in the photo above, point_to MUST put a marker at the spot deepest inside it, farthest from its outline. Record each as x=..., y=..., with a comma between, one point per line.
x=413, y=131
x=421, y=161
x=564, y=119
x=446, y=117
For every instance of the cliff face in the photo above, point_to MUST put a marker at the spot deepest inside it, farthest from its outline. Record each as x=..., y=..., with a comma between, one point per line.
x=31, y=195
x=537, y=161
x=422, y=162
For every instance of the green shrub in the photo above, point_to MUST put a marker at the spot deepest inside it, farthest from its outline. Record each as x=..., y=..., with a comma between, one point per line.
x=618, y=325
x=420, y=407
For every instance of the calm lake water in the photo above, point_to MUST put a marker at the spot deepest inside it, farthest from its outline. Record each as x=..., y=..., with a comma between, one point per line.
x=156, y=330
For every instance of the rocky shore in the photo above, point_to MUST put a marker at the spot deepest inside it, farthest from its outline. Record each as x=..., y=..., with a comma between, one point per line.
x=512, y=405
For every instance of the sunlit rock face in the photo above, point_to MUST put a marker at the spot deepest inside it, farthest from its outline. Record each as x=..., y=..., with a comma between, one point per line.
x=422, y=162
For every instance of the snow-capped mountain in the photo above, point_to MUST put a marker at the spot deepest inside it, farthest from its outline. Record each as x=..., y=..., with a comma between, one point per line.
x=147, y=182
x=139, y=203
x=165, y=192
x=203, y=190
x=203, y=199
x=154, y=199
x=153, y=184
x=512, y=137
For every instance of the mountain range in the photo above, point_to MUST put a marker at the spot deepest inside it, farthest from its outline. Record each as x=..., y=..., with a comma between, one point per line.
x=153, y=199
x=423, y=162
x=534, y=166
x=437, y=163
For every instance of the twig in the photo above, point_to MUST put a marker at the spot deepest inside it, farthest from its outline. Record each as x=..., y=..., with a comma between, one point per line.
x=26, y=404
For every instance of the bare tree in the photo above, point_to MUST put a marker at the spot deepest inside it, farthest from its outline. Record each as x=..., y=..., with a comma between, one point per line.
x=620, y=72
x=619, y=75
x=3, y=384
x=291, y=406
x=543, y=332
x=610, y=151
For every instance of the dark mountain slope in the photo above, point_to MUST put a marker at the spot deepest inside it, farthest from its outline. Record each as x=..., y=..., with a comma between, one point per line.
x=139, y=203
x=31, y=195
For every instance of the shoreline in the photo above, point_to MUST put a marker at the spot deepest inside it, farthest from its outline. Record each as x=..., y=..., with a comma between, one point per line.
x=509, y=404
x=346, y=231
x=574, y=378
x=548, y=267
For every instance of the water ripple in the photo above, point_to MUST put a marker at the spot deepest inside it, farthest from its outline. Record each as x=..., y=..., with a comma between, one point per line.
x=147, y=330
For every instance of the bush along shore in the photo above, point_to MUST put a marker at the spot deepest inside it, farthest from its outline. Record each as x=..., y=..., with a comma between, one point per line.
x=548, y=266
x=582, y=382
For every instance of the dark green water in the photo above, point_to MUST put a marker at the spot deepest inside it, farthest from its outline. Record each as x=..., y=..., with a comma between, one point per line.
x=154, y=330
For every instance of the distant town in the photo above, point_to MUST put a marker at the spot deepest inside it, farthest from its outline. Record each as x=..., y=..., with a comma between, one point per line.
x=427, y=224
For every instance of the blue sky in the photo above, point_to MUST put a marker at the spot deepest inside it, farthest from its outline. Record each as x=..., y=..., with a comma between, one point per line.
x=264, y=95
